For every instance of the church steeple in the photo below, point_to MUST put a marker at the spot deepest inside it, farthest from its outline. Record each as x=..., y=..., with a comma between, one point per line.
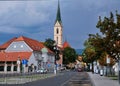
x=58, y=28
x=58, y=16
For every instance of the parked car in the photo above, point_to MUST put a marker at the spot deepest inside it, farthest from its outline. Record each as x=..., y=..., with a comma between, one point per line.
x=42, y=70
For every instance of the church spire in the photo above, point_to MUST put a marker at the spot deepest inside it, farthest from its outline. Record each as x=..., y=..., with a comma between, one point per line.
x=58, y=16
x=58, y=28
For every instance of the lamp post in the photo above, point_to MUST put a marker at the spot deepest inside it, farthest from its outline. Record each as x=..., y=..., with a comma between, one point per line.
x=55, y=50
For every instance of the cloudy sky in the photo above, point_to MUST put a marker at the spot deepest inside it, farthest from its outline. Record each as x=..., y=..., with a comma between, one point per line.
x=36, y=18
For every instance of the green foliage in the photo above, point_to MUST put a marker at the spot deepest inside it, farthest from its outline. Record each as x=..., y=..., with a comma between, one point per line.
x=110, y=28
x=89, y=54
x=69, y=55
x=50, y=44
x=109, y=42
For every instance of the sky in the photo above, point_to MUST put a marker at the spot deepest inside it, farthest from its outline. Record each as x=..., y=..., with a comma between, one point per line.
x=35, y=18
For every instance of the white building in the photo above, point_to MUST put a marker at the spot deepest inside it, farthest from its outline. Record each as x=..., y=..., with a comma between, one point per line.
x=25, y=54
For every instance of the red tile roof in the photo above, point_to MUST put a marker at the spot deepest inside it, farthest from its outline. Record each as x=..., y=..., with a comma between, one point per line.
x=33, y=44
x=5, y=45
x=13, y=56
x=65, y=44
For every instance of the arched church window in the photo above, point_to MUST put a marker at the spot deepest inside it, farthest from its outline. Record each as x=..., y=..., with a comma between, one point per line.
x=57, y=30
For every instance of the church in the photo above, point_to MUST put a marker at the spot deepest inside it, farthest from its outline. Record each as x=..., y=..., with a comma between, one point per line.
x=58, y=34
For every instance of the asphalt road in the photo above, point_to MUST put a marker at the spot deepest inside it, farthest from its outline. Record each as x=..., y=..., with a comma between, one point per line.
x=79, y=79
x=66, y=78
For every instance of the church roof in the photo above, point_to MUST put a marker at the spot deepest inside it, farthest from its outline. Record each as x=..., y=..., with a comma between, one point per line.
x=66, y=44
x=58, y=17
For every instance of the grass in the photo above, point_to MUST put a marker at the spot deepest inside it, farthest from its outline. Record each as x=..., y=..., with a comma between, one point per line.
x=113, y=77
x=1, y=79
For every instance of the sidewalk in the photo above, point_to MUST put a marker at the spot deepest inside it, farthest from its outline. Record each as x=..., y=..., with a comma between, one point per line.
x=98, y=80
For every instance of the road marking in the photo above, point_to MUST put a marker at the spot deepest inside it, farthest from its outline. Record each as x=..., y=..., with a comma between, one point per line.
x=66, y=81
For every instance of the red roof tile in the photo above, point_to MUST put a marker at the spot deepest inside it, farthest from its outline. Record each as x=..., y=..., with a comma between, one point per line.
x=66, y=44
x=13, y=56
x=33, y=44
x=5, y=45
x=21, y=38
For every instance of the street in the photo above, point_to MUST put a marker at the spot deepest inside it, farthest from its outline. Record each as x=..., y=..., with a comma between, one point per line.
x=79, y=79
x=66, y=78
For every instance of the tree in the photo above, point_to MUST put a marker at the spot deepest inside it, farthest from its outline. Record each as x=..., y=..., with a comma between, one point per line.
x=111, y=31
x=89, y=53
x=109, y=42
x=50, y=44
x=69, y=55
x=103, y=59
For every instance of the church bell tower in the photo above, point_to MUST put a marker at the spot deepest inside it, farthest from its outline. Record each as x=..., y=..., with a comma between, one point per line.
x=58, y=28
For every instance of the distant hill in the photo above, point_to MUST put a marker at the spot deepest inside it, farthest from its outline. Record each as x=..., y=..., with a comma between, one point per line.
x=79, y=51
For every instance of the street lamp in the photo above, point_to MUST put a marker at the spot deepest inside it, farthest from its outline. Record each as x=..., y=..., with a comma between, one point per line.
x=56, y=52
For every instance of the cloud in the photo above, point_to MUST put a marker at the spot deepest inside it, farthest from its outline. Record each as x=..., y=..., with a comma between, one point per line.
x=41, y=34
x=5, y=29
x=24, y=15
x=35, y=19
x=91, y=5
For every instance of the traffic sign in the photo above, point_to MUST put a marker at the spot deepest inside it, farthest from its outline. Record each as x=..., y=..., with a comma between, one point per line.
x=24, y=61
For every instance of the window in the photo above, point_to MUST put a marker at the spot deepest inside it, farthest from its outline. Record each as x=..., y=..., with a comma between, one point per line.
x=14, y=46
x=21, y=46
x=57, y=31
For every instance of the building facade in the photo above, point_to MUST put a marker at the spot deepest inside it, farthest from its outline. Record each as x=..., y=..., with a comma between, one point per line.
x=24, y=54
